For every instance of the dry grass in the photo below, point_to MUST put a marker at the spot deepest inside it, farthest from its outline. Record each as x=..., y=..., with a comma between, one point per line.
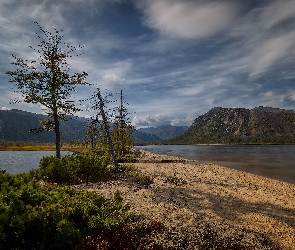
x=206, y=206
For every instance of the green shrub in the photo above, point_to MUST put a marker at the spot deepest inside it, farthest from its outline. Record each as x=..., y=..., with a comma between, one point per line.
x=35, y=216
x=177, y=181
x=72, y=169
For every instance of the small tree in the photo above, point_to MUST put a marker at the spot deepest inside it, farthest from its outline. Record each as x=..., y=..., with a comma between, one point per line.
x=47, y=80
x=100, y=108
x=92, y=132
x=122, y=131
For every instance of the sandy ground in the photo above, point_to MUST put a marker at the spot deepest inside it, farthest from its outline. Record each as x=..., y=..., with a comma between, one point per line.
x=237, y=205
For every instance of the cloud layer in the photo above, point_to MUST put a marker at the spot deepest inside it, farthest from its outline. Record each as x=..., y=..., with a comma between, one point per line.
x=174, y=59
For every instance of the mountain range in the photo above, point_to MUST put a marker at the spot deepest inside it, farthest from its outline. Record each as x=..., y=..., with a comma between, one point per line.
x=219, y=125
x=16, y=124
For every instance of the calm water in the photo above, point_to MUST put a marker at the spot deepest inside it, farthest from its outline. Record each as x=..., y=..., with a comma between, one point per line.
x=22, y=161
x=274, y=161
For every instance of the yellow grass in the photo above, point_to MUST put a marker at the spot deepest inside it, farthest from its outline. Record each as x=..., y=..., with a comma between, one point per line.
x=37, y=147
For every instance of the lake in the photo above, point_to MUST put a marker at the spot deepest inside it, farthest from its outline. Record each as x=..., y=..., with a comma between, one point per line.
x=273, y=161
x=22, y=161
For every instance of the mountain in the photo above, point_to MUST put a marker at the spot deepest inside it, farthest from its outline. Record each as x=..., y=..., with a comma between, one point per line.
x=239, y=125
x=141, y=137
x=16, y=124
x=164, y=132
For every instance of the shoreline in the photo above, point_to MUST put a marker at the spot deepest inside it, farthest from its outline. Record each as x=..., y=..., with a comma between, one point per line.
x=279, y=168
x=234, y=203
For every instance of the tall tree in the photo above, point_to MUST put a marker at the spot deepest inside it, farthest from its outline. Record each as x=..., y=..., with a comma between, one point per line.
x=47, y=80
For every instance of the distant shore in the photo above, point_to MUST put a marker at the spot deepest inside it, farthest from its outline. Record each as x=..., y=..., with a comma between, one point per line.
x=33, y=147
x=234, y=203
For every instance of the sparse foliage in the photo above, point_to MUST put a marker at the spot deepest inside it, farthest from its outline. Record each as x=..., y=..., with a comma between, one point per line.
x=122, y=131
x=92, y=133
x=47, y=80
x=98, y=105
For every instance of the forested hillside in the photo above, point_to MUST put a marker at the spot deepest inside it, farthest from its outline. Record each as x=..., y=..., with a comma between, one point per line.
x=16, y=124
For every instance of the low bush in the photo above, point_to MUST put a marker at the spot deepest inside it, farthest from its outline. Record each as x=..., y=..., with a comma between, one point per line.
x=177, y=181
x=134, y=236
x=35, y=216
x=72, y=169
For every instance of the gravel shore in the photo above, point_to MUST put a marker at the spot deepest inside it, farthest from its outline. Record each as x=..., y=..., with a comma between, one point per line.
x=198, y=201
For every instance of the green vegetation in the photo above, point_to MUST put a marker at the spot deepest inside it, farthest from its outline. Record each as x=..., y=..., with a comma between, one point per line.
x=35, y=216
x=73, y=169
x=38, y=212
x=177, y=181
x=46, y=80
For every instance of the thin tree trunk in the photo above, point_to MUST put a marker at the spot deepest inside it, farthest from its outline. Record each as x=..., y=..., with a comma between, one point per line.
x=107, y=131
x=57, y=133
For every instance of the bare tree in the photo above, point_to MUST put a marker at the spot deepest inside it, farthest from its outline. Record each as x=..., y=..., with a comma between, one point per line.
x=122, y=131
x=99, y=105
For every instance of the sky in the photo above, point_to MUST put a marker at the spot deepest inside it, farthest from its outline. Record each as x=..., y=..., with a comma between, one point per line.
x=173, y=59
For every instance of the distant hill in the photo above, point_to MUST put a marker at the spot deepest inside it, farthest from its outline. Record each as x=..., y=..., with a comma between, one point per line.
x=142, y=137
x=239, y=125
x=16, y=124
x=164, y=132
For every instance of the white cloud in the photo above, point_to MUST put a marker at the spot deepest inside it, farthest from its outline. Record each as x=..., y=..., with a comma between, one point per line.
x=189, y=19
x=276, y=12
x=158, y=120
x=5, y=108
x=292, y=96
x=268, y=94
x=150, y=121
x=116, y=72
x=272, y=99
x=182, y=121
x=271, y=51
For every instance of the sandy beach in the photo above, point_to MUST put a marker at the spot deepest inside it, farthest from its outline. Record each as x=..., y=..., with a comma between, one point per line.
x=188, y=198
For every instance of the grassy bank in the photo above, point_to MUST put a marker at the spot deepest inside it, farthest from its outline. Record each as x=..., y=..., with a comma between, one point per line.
x=38, y=147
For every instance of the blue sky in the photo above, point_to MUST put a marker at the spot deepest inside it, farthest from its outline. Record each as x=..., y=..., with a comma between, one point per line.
x=174, y=59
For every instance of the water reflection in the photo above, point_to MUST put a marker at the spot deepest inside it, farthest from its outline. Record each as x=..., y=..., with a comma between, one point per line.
x=22, y=161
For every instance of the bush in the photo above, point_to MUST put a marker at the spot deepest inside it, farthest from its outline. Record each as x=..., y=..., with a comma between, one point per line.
x=134, y=236
x=177, y=181
x=35, y=216
x=73, y=169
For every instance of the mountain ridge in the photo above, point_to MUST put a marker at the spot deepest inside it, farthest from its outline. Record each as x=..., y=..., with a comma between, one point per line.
x=259, y=125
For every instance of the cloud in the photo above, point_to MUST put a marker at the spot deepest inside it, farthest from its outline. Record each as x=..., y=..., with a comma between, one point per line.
x=272, y=99
x=150, y=121
x=5, y=108
x=271, y=51
x=265, y=35
x=189, y=19
x=115, y=73
x=268, y=94
x=182, y=121
x=292, y=96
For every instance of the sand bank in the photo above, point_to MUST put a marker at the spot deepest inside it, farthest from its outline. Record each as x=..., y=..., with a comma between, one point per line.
x=237, y=205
